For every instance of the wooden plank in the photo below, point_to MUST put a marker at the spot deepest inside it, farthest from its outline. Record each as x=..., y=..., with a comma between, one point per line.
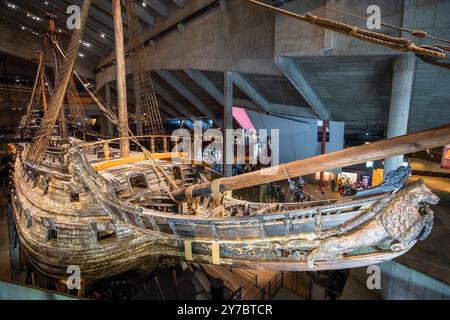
x=132, y=159
x=215, y=253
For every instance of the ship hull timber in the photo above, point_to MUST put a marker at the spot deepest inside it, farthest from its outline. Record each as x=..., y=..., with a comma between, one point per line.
x=250, y=235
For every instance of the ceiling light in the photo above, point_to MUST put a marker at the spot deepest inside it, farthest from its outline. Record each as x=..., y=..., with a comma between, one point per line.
x=102, y=35
x=23, y=28
x=144, y=4
x=81, y=55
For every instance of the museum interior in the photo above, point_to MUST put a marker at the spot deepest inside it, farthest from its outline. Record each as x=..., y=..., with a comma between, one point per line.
x=224, y=150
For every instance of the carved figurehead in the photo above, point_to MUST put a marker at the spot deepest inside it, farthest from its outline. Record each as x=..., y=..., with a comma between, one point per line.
x=403, y=220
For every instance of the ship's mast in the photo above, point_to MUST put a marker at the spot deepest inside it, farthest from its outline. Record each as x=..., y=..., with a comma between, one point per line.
x=53, y=37
x=121, y=79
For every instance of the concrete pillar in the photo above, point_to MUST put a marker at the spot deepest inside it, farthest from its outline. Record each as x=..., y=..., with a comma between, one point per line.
x=401, y=96
x=109, y=124
x=122, y=109
x=228, y=124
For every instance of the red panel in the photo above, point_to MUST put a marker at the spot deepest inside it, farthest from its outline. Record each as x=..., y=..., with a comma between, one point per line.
x=445, y=163
x=241, y=116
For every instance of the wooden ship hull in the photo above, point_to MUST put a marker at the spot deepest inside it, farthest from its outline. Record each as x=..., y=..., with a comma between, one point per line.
x=119, y=218
x=76, y=204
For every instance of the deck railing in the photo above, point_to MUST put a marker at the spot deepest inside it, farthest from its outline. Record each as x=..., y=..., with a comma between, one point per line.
x=153, y=143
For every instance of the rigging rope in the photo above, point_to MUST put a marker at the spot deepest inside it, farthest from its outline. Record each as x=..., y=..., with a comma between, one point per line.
x=113, y=118
x=400, y=44
x=146, y=103
x=38, y=148
x=416, y=33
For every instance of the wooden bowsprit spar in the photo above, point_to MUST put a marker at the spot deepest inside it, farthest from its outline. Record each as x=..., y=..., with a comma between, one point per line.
x=409, y=143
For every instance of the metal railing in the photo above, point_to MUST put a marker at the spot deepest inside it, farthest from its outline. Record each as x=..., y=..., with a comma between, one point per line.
x=240, y=292
x=271, y=288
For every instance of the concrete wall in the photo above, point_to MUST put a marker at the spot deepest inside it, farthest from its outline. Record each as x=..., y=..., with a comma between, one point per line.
x=239, y=38
x=298, y=139
x=25, y=45
x=245, y=38
x=297, y=38
x=431, y=95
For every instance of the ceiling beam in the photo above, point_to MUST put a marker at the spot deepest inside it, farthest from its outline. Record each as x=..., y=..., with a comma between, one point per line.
x=59, y=9
x=172, y=101
x=145, y=16
x=200, y=79
x=158, y=6
x=297, y=77
x=168, y=109
x=178, y=3
x=102, y=18
x=251, y=91
x=106, y=5
x=187, y=94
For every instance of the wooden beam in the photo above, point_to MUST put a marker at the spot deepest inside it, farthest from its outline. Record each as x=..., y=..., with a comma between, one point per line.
x=200, y=79
x=178, y=106
x=186, y=93
x=297, y=77
x=413, y=142
x=157, y=6
x=122, y=109
x=251, y=91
